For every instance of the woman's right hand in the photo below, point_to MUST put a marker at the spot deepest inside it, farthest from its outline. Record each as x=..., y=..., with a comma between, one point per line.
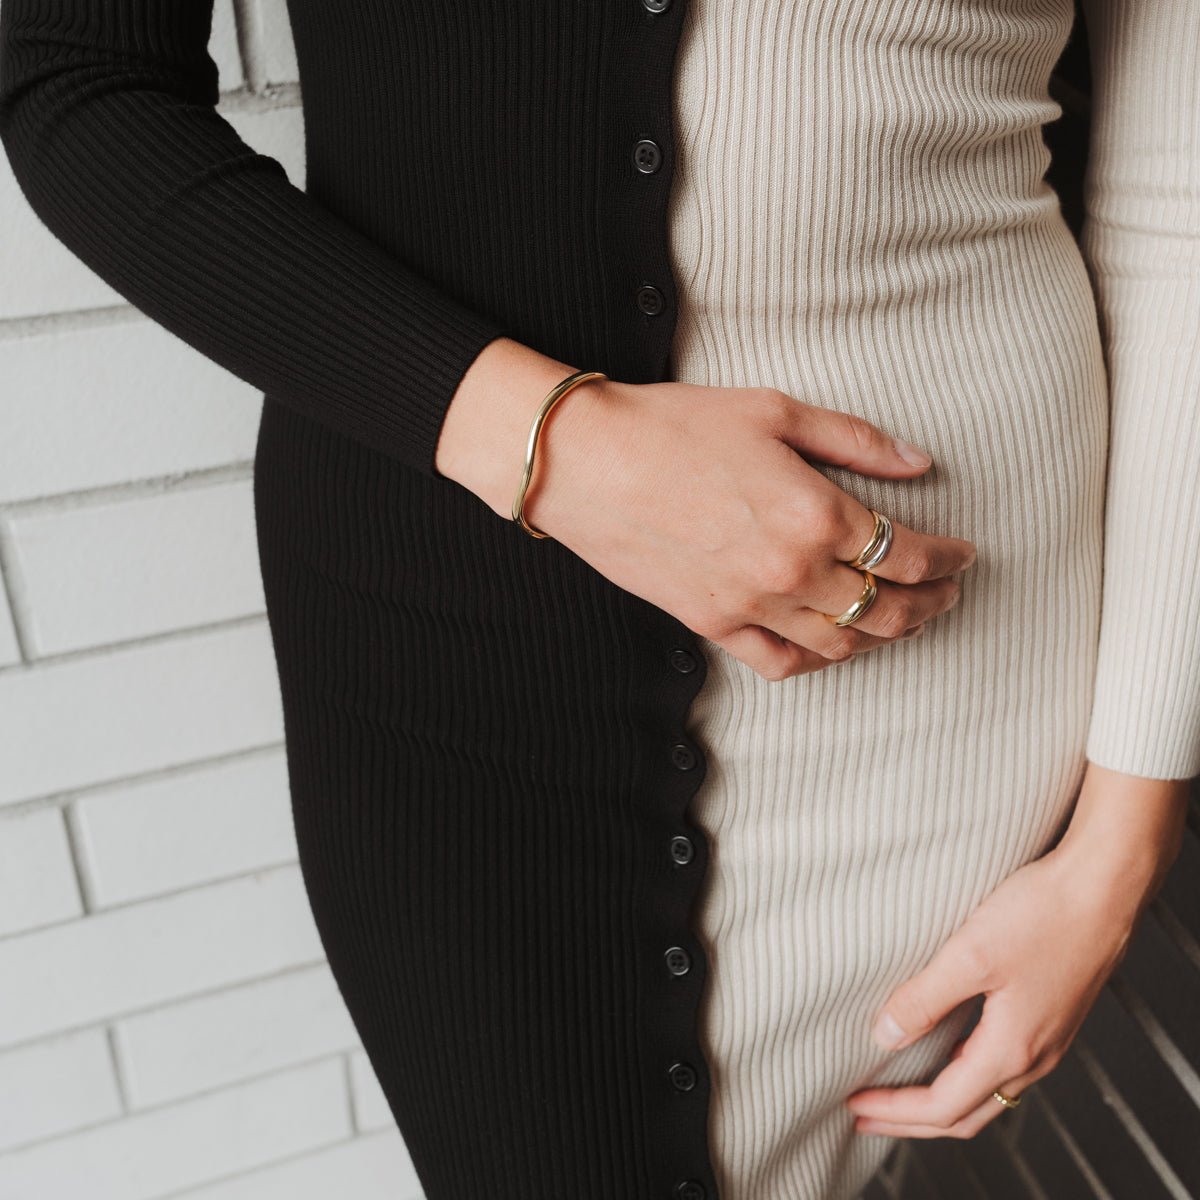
x=698, y=500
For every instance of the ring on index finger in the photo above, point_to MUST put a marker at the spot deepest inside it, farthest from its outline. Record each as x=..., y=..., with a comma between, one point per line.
x=880, y=542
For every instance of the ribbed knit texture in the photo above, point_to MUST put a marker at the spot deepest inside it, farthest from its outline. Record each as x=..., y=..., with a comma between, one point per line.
x=859, y=219
x=489, y=747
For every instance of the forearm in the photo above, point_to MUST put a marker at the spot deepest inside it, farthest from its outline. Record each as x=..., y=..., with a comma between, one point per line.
x=1124, y=835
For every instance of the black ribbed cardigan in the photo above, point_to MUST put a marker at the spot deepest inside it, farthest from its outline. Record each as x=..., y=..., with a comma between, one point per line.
x=485, y=737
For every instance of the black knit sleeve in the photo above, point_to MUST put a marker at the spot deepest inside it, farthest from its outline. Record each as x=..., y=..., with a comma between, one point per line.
x=108, y=116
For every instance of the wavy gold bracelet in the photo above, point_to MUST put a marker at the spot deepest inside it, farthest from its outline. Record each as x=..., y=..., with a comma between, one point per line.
x=555, y=394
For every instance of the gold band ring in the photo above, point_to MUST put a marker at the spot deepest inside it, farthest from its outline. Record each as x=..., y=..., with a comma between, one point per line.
x=865, y=600
x=1007, y=1101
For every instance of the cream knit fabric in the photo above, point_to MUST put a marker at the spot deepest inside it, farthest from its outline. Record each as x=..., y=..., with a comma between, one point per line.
x=859, y=218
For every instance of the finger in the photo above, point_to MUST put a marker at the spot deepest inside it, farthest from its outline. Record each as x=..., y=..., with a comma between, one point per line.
x=838, y=642
x=843, y=526
x=911, y=557
x=895, y=609
x=968, y=1127
x=957, y=1091
x=772, y=656
x=954, y=974
x=848, y=440
x=776, y=658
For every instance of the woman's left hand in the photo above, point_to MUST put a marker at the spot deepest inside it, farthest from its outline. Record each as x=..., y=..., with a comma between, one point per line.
x=1040, y=948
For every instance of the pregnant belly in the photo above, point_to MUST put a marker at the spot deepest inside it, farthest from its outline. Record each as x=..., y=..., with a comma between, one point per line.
x=991, y=362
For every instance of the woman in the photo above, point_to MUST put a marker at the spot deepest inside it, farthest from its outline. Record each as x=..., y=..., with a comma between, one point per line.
x=620, y=838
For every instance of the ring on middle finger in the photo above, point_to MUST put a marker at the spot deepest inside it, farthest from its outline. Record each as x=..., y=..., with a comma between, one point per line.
x=865, y=600
x=880, y=542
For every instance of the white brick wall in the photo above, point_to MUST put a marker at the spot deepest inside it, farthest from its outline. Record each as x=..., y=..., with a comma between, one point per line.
x=168, y=1024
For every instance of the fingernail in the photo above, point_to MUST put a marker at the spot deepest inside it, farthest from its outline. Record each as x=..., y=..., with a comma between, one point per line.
x=887, y=1033
x=910, y=454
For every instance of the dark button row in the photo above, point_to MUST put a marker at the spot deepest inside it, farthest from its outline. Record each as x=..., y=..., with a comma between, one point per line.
x=648, y=159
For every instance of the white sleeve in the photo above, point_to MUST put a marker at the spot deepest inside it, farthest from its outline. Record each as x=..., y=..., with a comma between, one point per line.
x=1141, y=243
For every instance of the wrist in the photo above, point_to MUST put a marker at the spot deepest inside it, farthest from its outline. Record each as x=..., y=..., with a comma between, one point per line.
x=1124, y=834
x=485, y=430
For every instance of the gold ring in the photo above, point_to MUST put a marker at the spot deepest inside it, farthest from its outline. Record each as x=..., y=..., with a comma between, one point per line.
x=872, y=554
x=1007, y=1101
x=860, y=606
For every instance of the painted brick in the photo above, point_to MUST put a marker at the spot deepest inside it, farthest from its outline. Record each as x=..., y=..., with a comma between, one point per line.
x=37, y=879
x=116, y=401
x=232, y=1035
x=371, y=1109
x=122, y=569
x=143, y=839
x=55, y=1086
x=185, y=1144
x=100, y=717
x=377, y=1167
x=161, y=950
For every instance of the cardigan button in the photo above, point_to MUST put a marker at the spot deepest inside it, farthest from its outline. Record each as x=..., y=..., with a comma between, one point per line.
x=647, y=156
x=682, y=850
x=656, y=6
x=683, y=662
x=650, y=300
x=679, y=962
x=683, y=756
x=690, y=1189
x=683, y=1076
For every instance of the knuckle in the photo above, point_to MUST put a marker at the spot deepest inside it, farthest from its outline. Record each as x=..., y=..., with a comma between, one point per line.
x=1020, y=1059
x=860, y=433
x=712, y=624
x=824, y=524
x=840, y=645
x=896, y=619
x=776, y=670
x=941, y=1117
x=917, y=564
x=1052, y=1058
x=974, y=962
x=778, y=408
x=779, y=574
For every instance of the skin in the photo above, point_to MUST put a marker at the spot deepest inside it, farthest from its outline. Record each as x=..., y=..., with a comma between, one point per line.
x=701, y=501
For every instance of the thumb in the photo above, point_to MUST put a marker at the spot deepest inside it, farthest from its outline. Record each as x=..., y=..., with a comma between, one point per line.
x=848, y=440
x=918, y=1004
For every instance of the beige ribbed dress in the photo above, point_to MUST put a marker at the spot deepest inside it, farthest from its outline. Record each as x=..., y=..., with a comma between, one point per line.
x=859, y=219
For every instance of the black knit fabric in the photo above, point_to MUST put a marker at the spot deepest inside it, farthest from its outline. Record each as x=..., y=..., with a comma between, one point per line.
x=482, y=732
